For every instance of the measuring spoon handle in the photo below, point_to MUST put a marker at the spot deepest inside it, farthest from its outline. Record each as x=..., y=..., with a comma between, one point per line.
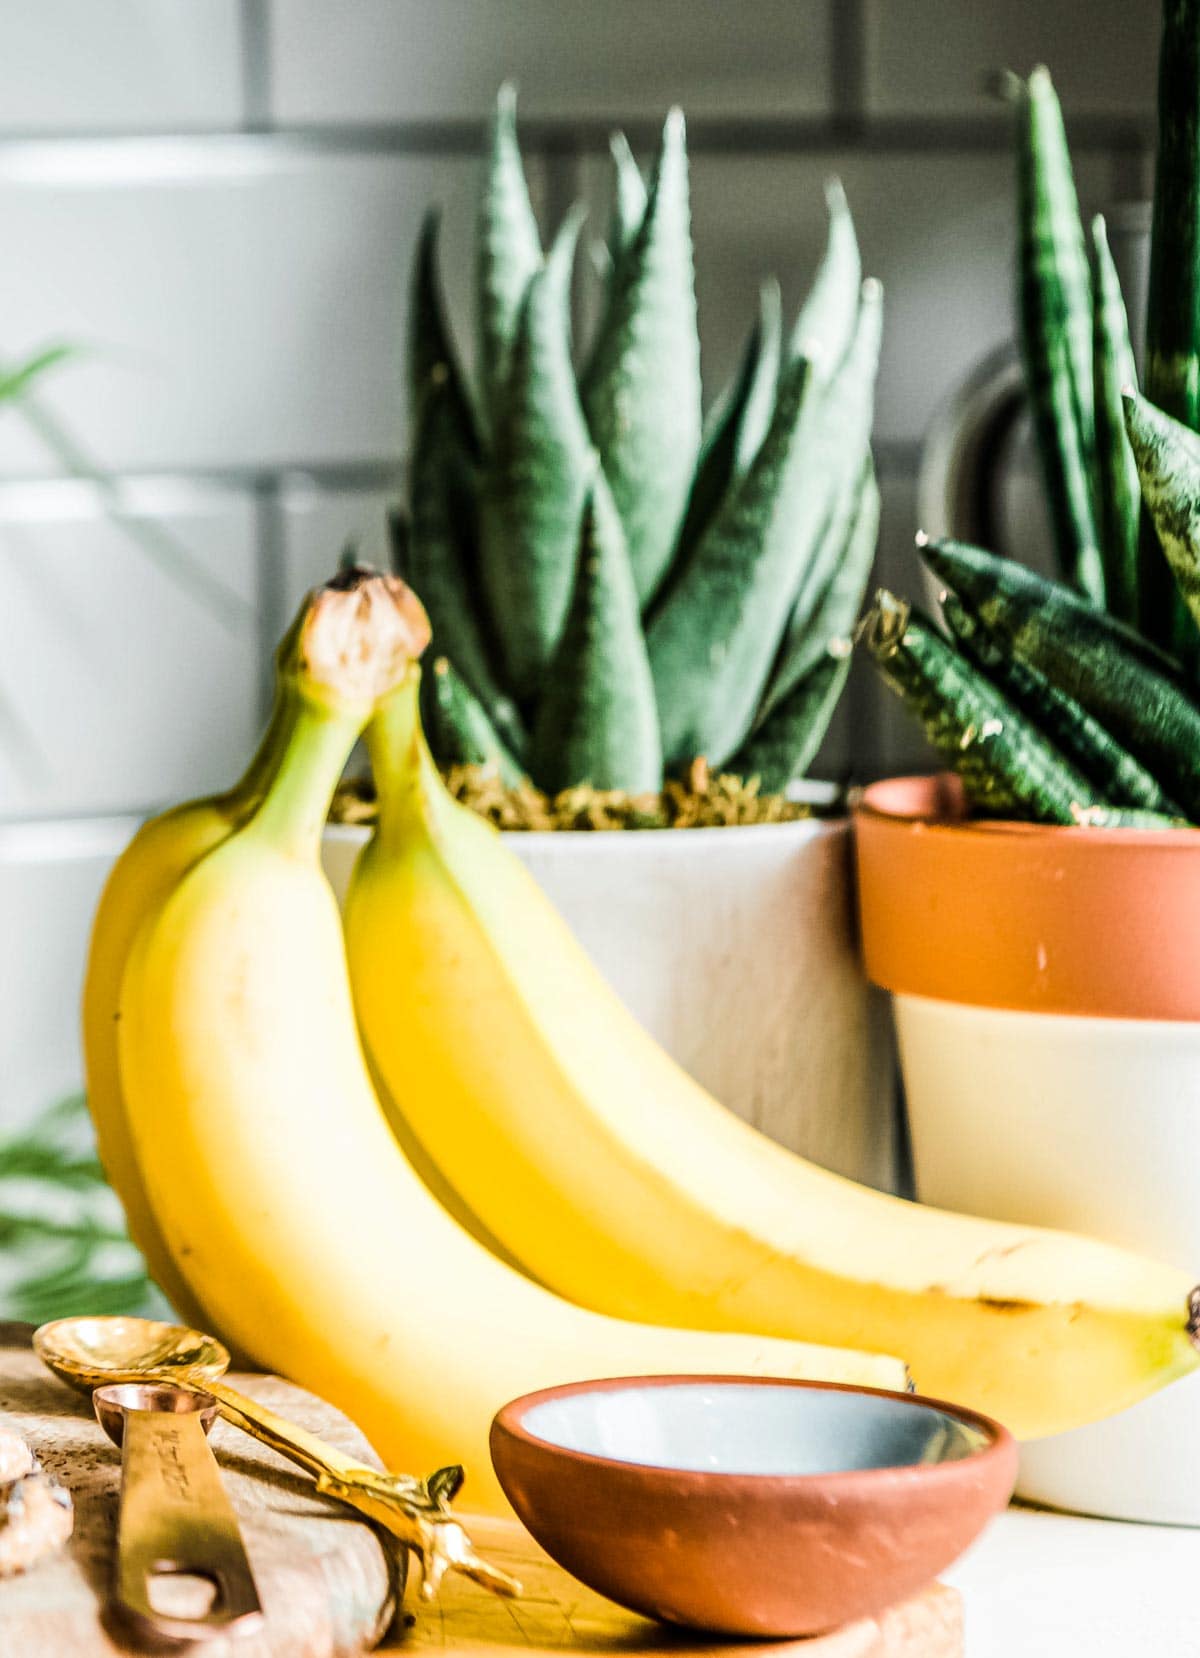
x=265, y=1425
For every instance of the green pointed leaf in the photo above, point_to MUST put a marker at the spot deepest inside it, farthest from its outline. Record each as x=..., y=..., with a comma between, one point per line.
x=1118, y=778
x=432, y=360
x=510, y=250
x=641, y=392
x=735, y=431
x=714, y=642
x=842, y=450
x=1172, y=360
x=441, y=554
x=825, y=326
x=628, y=211
x=1121, y=678
x=758, y=403
x=1173, y=312
x=853, y=532
x=1056, y=329
x=629, y=198
x=1167, y=454
x=783, y=746
x=596, y=721
x=457, y=725
x=1008, y=768
x=1118, y=492
x=534, y=484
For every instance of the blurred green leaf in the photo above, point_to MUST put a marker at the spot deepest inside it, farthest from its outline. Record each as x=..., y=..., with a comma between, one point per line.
x=63, y=1244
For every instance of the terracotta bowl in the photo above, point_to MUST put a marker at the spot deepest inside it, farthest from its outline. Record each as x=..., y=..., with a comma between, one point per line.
x=748, y=1506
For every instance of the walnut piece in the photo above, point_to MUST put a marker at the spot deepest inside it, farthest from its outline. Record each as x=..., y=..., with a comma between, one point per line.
x=36, y=1519
x=16, y=1459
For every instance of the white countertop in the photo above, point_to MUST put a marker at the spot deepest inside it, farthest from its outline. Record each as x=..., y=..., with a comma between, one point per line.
x=1041, y=1585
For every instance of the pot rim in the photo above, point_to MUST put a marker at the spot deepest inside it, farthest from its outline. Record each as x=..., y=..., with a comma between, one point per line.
x=997, y=1443
x=798, y=829
x=946, y=814
x=1033, y=918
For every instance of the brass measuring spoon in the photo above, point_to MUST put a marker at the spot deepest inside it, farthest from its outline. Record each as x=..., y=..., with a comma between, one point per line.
x=90, y=1352
x=181, y=1569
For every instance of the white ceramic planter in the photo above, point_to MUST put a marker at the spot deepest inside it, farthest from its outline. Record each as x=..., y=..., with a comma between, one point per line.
x=1088, y=1124
x=737, y=950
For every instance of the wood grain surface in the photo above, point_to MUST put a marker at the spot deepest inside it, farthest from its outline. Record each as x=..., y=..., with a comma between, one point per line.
x=556, y=1615
x=326, y=1583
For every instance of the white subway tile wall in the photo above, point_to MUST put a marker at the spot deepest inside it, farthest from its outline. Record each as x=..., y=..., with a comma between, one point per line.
x=1103, y=54
x=318, y=523
x=391, y=62
x=130, y=643
x=217, y=200
x=121, y=66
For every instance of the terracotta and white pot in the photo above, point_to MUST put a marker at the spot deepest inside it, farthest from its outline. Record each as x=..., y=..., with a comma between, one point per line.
x=737, y=950
x=1046, y=988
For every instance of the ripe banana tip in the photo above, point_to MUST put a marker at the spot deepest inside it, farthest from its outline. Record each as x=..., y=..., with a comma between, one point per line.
x=362, y=633
x=1193, y=1318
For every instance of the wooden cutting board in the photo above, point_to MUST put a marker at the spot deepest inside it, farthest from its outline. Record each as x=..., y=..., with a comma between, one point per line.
x=326, y=1582
x=556, y=1615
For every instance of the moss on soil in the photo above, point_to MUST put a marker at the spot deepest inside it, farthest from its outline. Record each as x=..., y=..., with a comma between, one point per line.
x=698, y=801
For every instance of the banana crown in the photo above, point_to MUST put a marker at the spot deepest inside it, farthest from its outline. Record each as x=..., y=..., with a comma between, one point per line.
x=359, y=635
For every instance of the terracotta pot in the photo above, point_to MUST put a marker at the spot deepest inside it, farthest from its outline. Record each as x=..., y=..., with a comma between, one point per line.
x=1046, y=989
x=737, y=949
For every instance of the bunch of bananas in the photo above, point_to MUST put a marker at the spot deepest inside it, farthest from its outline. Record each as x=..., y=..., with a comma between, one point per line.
x=501, y=1183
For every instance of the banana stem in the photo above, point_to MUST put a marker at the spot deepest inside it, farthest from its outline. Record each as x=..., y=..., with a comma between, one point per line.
x=250, y=787
x=406, y=777
x=314, y=751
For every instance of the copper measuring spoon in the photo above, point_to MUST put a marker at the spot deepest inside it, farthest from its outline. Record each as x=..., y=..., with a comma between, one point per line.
x=88, y=1353
x=181, y=1570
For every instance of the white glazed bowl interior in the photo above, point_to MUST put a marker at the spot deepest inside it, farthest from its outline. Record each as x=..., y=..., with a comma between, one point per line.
x=732, y=1428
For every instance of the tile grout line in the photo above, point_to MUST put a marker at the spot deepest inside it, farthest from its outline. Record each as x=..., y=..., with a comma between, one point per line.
x=269, y=557
x=982, y=134
x=892, y=456
x=255, y=48
x=848, y=68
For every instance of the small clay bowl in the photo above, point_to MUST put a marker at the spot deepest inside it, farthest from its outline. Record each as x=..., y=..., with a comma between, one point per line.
x=749, y=1506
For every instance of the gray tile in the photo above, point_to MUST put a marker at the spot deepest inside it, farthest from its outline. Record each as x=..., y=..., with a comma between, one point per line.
x=132, y=66
x=926, y=58
x=241, y=304
x=122, y=688
x=413, y=60
x=886, y=739
x=318, y=524
x=51, y=876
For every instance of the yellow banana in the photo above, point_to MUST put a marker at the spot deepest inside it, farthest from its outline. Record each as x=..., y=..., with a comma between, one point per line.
x=618, y=1182
x=281, y=1193
x=139, y=882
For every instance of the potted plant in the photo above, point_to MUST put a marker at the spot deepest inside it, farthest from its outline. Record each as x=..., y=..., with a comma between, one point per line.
x=1035, y=915
x=641, y=622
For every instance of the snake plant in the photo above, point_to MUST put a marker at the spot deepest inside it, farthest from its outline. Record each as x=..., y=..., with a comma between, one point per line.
x=1101, y=670
x=618, y=586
